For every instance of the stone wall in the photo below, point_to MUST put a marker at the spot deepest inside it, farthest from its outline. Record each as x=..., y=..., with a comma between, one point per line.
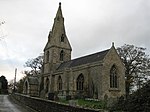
x=42, y=105
x=112, y=58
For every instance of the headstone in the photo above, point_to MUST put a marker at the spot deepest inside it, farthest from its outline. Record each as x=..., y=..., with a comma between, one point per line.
x=50, y=96
x=73, y=103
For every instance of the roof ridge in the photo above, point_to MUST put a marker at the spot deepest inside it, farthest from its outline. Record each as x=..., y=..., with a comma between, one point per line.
x=84, y=60
x=90, y=54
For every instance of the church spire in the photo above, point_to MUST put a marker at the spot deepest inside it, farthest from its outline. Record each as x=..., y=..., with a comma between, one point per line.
x=58, y=31
x=59, y=12
x=58, y=26
x=58, y=45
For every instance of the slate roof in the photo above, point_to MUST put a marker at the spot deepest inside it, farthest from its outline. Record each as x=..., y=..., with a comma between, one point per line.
x=84, y=60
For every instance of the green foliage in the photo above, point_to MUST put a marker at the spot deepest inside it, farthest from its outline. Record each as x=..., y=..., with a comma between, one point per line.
x=88, y=103
x=20, y=85
x=139, y=101
x=35, y=65
x=63, y=100
x=92, y=104
x=137, y=65
x=4, y=85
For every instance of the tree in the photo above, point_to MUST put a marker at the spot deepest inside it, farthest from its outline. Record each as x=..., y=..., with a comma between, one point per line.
x=35, y=65
x=137, y=65
x=4, y=84
x=20, y=84
x=138, y=101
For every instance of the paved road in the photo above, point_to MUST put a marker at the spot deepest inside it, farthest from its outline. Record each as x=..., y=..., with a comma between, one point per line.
x=9, y=106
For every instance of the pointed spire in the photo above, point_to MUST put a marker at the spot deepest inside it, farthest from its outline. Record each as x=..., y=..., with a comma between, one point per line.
x=59, y=12
x=58, y=30
x=58, y=25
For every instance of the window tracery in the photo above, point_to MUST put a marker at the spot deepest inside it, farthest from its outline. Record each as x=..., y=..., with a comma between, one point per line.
x=80, y=82
x=113, y=77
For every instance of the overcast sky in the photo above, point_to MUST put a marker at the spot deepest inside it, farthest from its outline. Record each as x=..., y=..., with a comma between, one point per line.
x=91, y=26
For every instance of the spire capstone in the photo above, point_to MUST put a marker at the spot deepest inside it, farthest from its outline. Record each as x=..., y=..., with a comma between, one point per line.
x=112, y=44
x=59, y=3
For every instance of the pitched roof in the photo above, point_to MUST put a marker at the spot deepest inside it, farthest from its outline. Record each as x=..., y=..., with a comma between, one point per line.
x=83, y=60
x=33, y=80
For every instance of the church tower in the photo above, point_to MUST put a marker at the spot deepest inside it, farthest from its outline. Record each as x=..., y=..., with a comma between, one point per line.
x=58, y=48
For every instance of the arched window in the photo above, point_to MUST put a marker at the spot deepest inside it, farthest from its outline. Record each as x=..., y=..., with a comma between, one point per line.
x=113, y=77
x=62, y=38
x=59, y=83
x=47, y=85
x=61, y=55
x=80, y=82
x=47, y=56
x=26, y=87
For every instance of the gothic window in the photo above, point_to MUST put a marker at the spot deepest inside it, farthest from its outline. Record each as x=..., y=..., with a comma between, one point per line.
x=47, y=56
x=26, y=87
x=80, y=82
x=92, y=89
x=62, y=38
x=113, y=77
x=47, y=85
x=59, y=83
x=61, y=55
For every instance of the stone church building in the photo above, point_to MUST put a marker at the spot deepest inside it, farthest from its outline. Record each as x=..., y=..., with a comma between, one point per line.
x=100, y=75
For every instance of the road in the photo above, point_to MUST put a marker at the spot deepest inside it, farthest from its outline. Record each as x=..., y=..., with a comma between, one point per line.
x=6, y=105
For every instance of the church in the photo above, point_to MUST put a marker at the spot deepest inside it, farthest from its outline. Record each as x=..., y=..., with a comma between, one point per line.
x=98, y=76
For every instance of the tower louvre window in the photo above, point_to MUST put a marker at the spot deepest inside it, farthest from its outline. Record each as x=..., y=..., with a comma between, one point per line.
x=47, y=56
x=62, y=39
x=113, y=77
x=62, y=55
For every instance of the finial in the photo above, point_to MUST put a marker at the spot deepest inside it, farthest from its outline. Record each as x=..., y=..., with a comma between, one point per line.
x=59, y=3
x=113, y=44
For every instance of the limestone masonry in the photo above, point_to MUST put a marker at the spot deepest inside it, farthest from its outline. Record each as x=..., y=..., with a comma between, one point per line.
x=98, y=76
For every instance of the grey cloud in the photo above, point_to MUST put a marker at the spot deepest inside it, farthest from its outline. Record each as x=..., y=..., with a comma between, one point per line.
x=90, y=26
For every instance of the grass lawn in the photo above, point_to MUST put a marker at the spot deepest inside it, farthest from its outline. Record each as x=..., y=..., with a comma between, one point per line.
x=92, y=104
x=87, y=103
